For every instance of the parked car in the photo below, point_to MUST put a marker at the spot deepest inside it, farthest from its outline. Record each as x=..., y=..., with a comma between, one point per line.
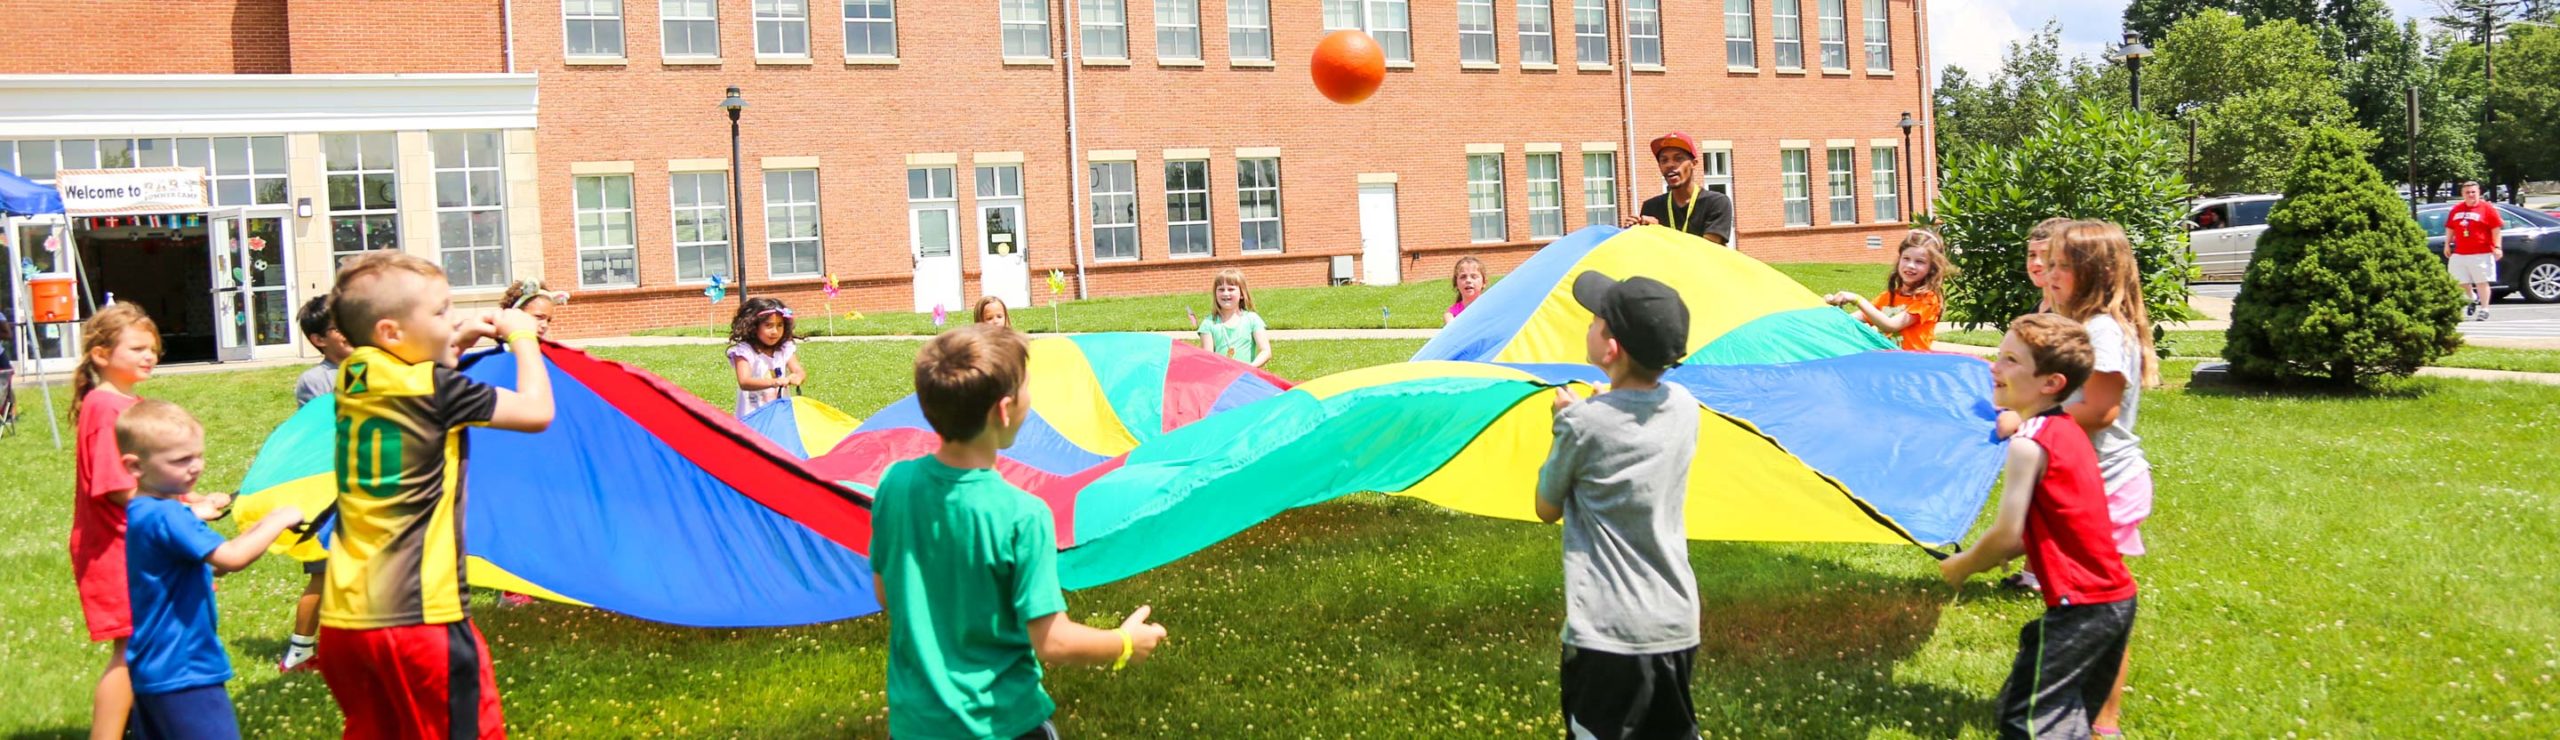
x=2222, y=232
x=2532, y=240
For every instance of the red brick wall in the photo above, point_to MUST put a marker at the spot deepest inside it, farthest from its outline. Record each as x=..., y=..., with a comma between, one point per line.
x=355, y=36
x=145, y=37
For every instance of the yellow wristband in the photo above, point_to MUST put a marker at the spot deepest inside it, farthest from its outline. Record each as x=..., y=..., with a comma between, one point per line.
x=1128, y=647
x=511, y=338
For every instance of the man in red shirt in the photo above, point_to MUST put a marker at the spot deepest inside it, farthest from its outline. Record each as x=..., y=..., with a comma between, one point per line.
x=2472, y=249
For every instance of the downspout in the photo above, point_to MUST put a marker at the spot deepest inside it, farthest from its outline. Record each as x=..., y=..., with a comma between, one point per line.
x=1075, y=146
x=1928, y=195
x=508, y=7
x=1627, y=104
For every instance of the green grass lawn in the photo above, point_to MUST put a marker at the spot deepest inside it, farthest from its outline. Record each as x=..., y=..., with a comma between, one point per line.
x=2208, y=345
x=2374, y=565
x=1414, y=305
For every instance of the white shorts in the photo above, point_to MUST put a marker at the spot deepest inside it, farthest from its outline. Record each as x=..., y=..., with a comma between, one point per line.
x=2474, y=269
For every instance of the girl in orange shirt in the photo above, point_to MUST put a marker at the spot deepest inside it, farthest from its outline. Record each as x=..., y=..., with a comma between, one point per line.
x=1912, y=301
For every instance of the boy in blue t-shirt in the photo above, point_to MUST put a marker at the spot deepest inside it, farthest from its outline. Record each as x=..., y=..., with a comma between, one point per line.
x=178, y=663
x=966, y=565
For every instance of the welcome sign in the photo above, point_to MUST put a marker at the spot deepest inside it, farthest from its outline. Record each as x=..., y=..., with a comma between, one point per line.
x=141, y=190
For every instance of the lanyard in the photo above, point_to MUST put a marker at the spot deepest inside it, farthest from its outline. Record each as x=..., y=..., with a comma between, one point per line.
x=1673, y=209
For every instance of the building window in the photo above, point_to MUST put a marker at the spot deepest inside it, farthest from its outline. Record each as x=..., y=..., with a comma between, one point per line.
x=782, y=28
x=1384, y=20
x=1843, y=186
x=1115, y=210
x=1546, y=196
x=1879, y=35
x=1591, y=31
x=1715, y=171
x=689, y=28
x=247, y=170
x=1835, y=34
x=871, y=28
x=1178, y=29
x=932, y=202
x=594, y=27
x=1186, y=208
x=1795, y=186
x=1000, y=209
x=1484, y=198
x=1258, y=203
x=1887, y=189
x=471, y=208
x=1740, y=41
x=702, y=225
x=1537, y=32
x=1249, y=30
x=1475, y=31
x=1026, y=29
x=1788, y=34
x=1599, y=188
x=364, y=209
x=607, y=255
x=1644, y=32
x=791, y=243
x=1106, y=28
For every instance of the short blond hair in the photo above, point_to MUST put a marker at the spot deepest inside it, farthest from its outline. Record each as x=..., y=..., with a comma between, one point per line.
x=2057, y=344
x=964, y=372
x=361, y=300
x=152, y=425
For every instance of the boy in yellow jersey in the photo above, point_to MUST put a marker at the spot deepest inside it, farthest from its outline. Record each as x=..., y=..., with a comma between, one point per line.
x=403, y=660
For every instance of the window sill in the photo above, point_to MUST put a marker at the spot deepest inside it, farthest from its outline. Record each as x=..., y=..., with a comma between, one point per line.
x=1797, y=71
x=1249, y=64
x=855, y=61
x=598, y=61
x=690, y=61
x=1030, y=62
x=1274, y=252
x=1392, y=64
x=1589, y=67
x=1741, y=69
x=1102, y=62
x=1537, y=67
x=1191, y=63
x=1879, y=73
x=782, y=61
x=1115, y=260
x=1649, y=68
x=1480, y=65
x=1829, y=72
x=1201, y=256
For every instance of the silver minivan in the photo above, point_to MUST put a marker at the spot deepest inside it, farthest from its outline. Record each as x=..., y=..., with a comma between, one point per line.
x=2223, y=232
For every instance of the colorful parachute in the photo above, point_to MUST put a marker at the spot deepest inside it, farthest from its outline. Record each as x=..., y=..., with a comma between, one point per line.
x=801, y=425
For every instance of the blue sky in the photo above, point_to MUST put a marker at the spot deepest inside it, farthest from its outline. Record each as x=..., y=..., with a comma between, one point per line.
x=1973, y=33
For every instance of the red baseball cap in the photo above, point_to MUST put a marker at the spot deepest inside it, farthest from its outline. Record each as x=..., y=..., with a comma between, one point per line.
x=1676, y=139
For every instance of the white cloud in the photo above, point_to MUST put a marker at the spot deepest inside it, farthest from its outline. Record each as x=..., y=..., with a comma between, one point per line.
x=1974, y=33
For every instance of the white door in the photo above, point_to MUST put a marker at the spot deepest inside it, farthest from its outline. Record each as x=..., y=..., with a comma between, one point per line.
x=933, y=225
x=1003, y=261
x=231, y=282
x=1379, y=251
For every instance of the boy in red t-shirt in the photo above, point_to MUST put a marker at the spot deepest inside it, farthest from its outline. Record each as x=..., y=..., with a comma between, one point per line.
x=2053, y=509
x=2472, y=250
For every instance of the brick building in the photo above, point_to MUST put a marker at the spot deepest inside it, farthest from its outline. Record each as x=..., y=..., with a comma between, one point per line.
x=1133, y=146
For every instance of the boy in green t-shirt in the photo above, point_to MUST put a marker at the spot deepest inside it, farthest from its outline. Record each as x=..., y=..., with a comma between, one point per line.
x=966, y=565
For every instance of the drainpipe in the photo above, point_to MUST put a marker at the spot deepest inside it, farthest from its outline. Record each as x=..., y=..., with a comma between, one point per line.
x=1627, y=104
x=1075, y=146
x=508, y=8
x=1928, y=195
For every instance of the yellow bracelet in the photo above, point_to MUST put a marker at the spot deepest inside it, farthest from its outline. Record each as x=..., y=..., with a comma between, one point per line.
x=1128, y=647
x=511, y=338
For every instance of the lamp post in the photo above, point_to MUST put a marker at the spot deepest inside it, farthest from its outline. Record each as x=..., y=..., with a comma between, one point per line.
x=2132, y=53
x=737, y=225
x=1909, y=195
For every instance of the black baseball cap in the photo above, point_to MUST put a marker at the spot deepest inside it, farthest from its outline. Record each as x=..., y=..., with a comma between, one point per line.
x=1648, y=317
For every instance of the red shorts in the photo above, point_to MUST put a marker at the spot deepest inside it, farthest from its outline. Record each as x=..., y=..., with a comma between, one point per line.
x=105, y=604
x=413, y=681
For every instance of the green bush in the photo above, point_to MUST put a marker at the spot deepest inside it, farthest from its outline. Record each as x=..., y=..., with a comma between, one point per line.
x=2342, y=286
x=2080, y=161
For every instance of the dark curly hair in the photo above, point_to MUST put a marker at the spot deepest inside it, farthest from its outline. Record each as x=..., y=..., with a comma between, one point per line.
x=742, y=328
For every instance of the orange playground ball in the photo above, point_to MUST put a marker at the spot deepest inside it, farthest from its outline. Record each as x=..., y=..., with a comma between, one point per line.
x=1348, y=66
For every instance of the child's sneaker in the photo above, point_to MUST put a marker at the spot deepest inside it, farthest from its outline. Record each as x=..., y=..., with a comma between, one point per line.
x=2469, y=309
x=2480, y=315
x=512, y=599
x=296, y=659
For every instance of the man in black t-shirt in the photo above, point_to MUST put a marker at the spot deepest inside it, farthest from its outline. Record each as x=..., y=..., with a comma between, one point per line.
x=1685, y=205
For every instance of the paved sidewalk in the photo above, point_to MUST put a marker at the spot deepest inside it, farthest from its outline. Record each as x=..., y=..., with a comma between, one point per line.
x=2462, y=373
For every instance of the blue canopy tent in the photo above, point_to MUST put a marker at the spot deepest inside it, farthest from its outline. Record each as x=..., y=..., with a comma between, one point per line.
x=21, y=197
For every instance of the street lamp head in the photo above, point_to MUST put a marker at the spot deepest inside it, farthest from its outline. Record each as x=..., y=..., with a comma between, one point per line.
x=734, y=103
x=1907, y=123
x=2132, y=48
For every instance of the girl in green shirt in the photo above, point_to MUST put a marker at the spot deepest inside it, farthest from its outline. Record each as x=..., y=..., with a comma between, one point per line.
x=1233, y=329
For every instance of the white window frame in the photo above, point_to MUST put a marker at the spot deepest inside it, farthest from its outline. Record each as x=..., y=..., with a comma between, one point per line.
x=795, y=209
x=262, y=168
x=1096, y=27
x=472, y=203
x=1591, y=33
x=1832, y=21
x=1741, y=38
x=1887, y=189
x=1536, y=22
x=1178, y=30
x=788, y=29
x=1249, y=30
x=1180, y=205
x=667, y=20
x=1644, y=33
x=1476, y=40
x=1389, y=22
x=575, y=12
x=598, y=218
x=1600, y=188
x=1247, y=222
x=1480, y=194
x=1840, y=186
x=1878, y=32
x=867, y=21
x=1124, y=201
x=1715, y=171
x=366, y=167
x=941, y=193
x=677, y=184
x=1787, y=33
x=1795, y=185
x=1018, y=27
x=1546, y=194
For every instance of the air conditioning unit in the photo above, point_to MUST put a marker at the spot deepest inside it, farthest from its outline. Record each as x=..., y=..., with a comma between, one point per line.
x=1342, y=273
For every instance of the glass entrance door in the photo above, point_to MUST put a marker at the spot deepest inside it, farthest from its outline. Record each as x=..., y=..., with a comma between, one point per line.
x=252, y=307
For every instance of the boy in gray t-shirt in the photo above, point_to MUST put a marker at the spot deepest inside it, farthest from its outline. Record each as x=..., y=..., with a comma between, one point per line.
x=1618, y=477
